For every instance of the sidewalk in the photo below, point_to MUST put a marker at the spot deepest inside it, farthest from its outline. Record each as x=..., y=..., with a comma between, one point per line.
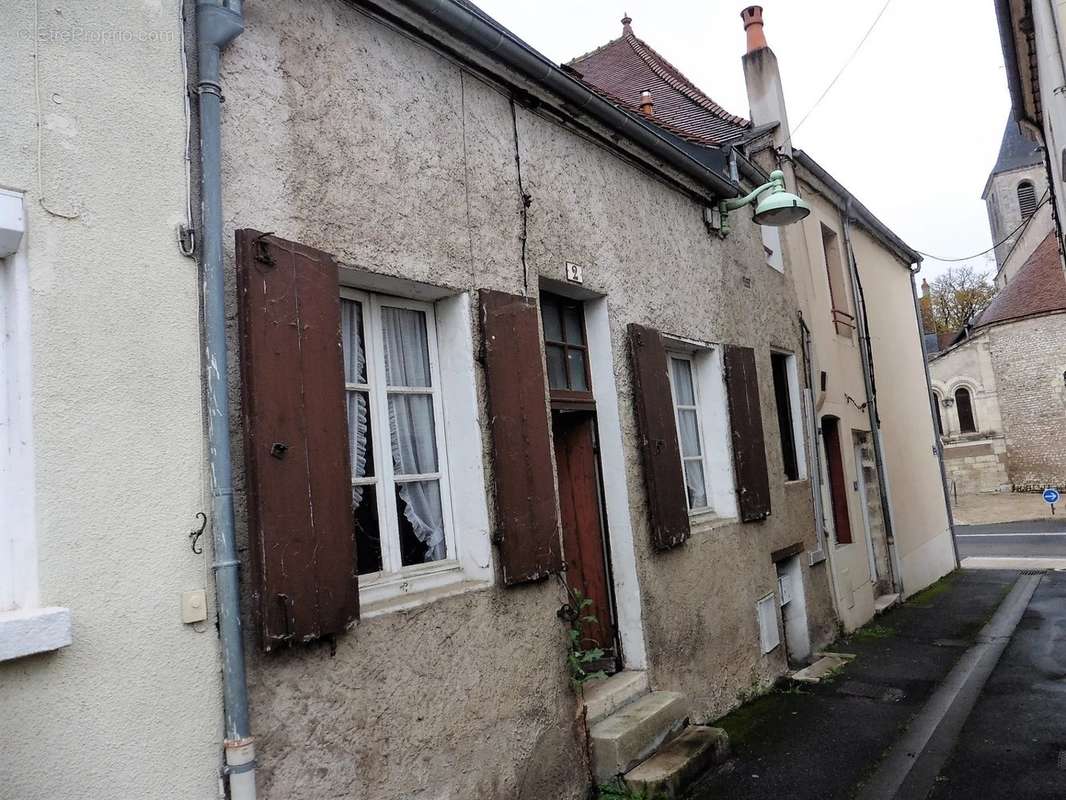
x=822, y=741
x=994, y=507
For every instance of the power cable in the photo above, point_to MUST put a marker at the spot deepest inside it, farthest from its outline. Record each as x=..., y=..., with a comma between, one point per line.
x=843, y=68
x=1025, y=223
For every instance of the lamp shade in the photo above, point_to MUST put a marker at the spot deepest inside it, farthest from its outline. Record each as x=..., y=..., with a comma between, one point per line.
x=780, y=208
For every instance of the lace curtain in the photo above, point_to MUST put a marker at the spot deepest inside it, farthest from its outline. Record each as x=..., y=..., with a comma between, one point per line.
x=414, y=449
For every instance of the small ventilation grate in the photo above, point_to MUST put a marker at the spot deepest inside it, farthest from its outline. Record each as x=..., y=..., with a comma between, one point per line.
x=1062, y=759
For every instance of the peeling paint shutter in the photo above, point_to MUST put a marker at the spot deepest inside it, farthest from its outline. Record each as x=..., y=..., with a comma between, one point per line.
x=527, y=517
x=663, y=479
x=301, y=528
x=745, y=422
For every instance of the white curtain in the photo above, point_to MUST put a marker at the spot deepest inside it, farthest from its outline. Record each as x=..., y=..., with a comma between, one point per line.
x=414, y=448
x=355, y=372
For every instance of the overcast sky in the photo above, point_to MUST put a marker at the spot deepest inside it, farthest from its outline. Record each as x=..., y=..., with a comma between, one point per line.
x=912, y=127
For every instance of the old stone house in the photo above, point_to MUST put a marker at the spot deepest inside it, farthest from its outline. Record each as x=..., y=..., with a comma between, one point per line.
x=878, y=486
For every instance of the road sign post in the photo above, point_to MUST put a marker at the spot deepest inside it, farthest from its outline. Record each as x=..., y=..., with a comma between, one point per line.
x=1051, y=496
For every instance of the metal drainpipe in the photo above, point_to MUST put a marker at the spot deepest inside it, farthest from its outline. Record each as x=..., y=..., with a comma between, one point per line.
x=871, y=404
x=216, y=26
x=938, y=448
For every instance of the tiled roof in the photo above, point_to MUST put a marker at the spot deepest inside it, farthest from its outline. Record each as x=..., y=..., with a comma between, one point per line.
x=1038, y=287
x=626, y=66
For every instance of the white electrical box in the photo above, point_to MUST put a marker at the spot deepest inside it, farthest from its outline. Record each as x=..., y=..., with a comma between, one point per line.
x=194, y=606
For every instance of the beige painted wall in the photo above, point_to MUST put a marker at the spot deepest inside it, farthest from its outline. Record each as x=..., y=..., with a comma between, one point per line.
x=838, y=356
x=919, y=516
x=131, y=709
x=407, y=168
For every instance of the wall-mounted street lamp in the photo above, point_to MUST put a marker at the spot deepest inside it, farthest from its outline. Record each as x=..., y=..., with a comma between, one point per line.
x=776, y=207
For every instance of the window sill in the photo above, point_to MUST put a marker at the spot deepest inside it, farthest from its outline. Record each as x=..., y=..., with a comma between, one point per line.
x=36, y=630
x=409, y=590
x=707, y=521
x=797, y=482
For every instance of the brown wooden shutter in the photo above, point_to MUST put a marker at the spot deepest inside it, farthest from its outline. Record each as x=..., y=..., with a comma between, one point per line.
x=745, y=421
x=663, y=477
x=302, y=532
x=527, y=517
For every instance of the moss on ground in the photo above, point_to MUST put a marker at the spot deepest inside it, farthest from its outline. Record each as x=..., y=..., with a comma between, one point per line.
x=929, y=593
x=741, y=723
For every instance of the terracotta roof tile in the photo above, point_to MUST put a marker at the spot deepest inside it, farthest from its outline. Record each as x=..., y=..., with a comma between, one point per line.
x=626, y=66
x=1038, y=287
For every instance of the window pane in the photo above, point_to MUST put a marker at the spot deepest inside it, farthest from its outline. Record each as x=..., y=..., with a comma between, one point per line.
x=688, y=432
x=695, y=484
x=360, y=443
x=578, y=380
x=553, y=325
x=572, y=325
x=556, y=366
x=414, y=442
x=352, y=339
x=682, y=369
x=367, y=531
x=406, y=347
x=421, y=522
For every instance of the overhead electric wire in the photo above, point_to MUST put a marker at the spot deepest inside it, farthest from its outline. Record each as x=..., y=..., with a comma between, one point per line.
x=843, y=68
x=1025, y=223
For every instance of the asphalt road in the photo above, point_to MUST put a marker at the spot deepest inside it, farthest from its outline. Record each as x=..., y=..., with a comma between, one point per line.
x=1045, y=538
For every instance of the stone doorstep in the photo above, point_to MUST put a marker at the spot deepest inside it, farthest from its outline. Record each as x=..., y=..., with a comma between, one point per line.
x=672, y=769
x=885, y=602
x=633, y=733
x=603, y=697
x=826, y=665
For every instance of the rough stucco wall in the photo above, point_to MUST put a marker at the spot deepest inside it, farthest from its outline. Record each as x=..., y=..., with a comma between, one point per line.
x=405, y=166
x=908, y=432
x=132, y=707
x=1030, y=364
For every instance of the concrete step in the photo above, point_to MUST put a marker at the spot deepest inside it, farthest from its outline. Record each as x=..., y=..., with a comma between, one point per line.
x=631, y=734
x=668, y=773
x=604, y=697
x=827, y=664
x=885, y=602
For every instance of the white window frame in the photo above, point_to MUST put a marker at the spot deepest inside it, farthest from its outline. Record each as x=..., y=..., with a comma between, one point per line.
x=712, y=419
x=771, y=242
x=708, y=494
x=25, y=627
x=796, y=408
x=467, y=564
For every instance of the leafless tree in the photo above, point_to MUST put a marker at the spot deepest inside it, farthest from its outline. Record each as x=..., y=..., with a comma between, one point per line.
x=959, y=295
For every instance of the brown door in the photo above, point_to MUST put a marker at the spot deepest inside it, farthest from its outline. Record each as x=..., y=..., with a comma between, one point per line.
x=584, y=550
x=838, y=492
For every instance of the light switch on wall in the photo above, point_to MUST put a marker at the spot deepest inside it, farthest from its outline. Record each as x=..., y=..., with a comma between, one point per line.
x=194, y=606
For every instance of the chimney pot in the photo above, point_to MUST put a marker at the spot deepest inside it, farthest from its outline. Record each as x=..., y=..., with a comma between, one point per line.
x=753, y=27
x=647, y=107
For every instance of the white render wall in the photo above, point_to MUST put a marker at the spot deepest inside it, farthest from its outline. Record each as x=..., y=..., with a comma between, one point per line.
x=131, y=709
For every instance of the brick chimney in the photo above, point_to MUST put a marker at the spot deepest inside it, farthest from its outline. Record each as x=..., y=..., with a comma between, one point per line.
x=766, y=96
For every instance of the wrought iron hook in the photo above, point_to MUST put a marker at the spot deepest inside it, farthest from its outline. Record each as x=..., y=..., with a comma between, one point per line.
x=196, y=534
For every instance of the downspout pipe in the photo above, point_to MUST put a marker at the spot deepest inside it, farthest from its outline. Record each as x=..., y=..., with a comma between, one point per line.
x=217, y=25
x=938, y=448
x=866, y=355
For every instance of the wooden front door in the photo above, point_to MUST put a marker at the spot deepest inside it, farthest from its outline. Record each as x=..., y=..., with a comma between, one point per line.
x=584, y=544
x=838, y=492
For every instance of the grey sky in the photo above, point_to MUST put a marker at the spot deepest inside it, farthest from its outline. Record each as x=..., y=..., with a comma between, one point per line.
x=911, y=128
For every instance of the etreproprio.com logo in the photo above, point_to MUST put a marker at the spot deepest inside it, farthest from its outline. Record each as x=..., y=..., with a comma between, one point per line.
x=97, y=35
